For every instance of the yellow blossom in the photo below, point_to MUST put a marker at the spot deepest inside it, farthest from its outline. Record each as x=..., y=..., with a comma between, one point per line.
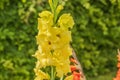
x=42, y=26
x=65, y=37
x=62, y=68
x=54, y=32
x=44, y=59
x=66, y=21
x=62, y=63
x=47, y=17
x=63, y=52
x=59, y=37
x=44, y=43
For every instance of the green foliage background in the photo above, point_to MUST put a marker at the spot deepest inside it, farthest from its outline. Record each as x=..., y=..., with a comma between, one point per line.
x=96, y=35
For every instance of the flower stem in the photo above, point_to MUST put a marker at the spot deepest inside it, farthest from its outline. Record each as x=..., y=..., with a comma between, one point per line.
x=55, y=3
x=61, y=78
x=52, y=73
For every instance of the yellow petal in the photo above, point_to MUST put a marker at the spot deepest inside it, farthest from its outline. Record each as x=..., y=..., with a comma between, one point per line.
x=66, y=21
x=40, y=75
x=47, y=17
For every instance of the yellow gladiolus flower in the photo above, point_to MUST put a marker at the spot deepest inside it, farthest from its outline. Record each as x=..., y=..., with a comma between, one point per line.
x=62, y=63
x=54, y=32
x=64, y=52
x=45, y=14
x=44, y=42
x=65, y=37
x=42, y=26
x=62, y=69
x=44, y=59
x=47, y=17
x=59, y=37
x=66, y=21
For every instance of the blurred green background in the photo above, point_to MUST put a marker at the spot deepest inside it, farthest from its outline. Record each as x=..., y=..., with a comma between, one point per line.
x=96, y=36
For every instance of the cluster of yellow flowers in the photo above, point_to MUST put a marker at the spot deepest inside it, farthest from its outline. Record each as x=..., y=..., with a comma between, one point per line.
x=53, y=41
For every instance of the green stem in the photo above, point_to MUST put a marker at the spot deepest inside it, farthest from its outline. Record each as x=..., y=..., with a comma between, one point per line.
x=55, y=16
x=52, y=73
x=61, y=78
x=53, y=6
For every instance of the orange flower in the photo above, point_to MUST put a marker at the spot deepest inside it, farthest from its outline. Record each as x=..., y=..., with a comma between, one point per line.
x=73, y=68
x=76, y=76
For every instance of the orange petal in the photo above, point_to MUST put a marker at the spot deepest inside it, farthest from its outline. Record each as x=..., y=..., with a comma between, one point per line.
x=73, y=68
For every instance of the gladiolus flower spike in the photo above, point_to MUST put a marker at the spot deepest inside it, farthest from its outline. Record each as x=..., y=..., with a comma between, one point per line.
x=53, y=40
